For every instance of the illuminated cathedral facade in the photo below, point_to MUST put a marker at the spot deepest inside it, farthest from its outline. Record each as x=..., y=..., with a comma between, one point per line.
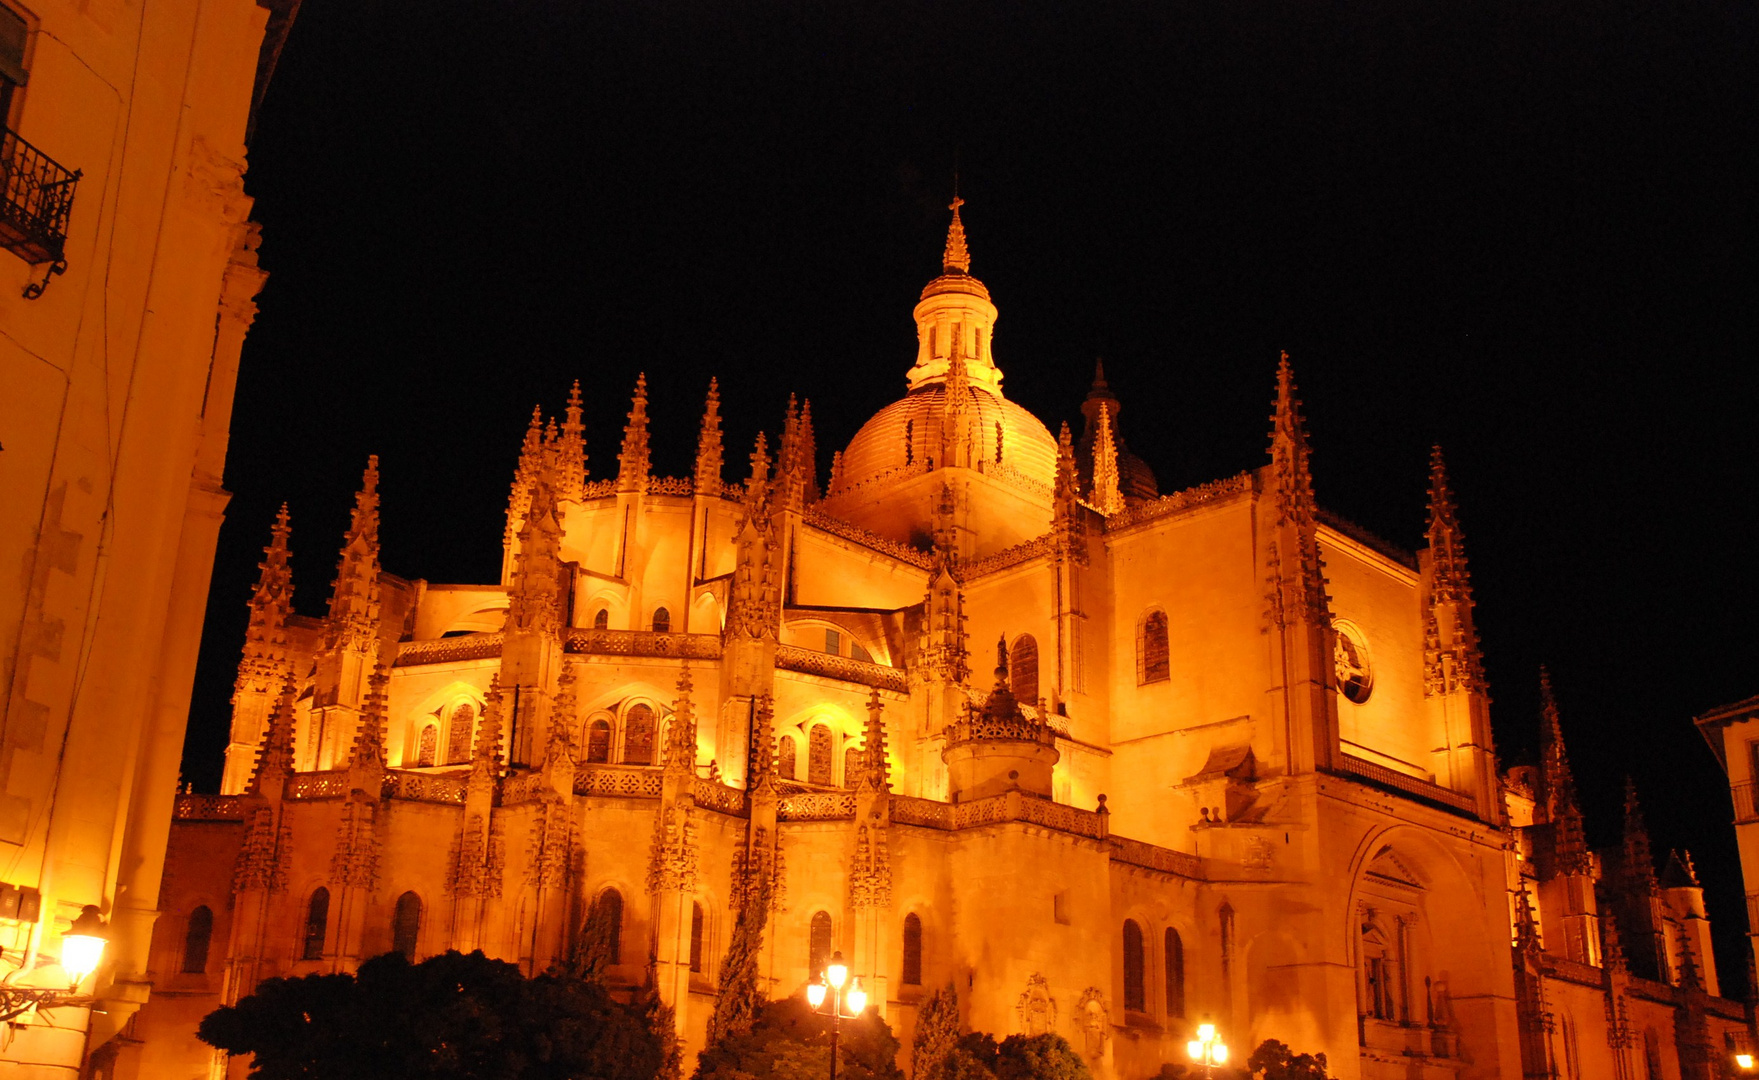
x=987, y=709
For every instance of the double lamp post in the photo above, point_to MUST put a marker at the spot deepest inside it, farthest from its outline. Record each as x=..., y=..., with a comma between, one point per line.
x=828, y=989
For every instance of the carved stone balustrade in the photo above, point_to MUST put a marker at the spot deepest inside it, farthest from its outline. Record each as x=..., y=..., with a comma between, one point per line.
x=1411, y=785
x=332, y=784
x=427, y=787
x=641, y=643
x=209, y=808
x=624, y=781
x=817, y=806
x=450, y=650
x=841, y=668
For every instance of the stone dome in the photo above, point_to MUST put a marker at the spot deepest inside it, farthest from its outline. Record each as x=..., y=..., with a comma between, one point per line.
x=906, y=435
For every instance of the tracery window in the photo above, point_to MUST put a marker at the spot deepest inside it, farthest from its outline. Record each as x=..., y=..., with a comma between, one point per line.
x=1175, y=960
x=912, y=974
x=196, y=939
x=1023, y=669
x=818, y=755
x=406, y=924
x=1350, y=657
x=458, y=736
x=818, y=944
x=662, y=621
x=638, y=735
x=598, y=742
x=601, y=618
x=787, y=754
x=1135, y=993
x=429, y=752
x=1152, y=664
x=696, y=937
x=317, y=919
x=851, y=765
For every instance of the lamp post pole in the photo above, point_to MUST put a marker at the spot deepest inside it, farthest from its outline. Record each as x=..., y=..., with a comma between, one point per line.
x=828, y=989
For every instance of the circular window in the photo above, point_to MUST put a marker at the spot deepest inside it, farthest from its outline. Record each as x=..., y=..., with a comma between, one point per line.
x=1350, y=655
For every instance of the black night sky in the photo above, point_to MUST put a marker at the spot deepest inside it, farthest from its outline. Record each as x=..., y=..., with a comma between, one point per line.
x=1521, y=228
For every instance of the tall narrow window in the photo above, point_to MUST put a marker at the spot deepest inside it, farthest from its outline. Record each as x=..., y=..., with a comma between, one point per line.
x=1151, y=648
x=638, y=736
x=601, y=618
x=406, y=924
x=818, y=755
x=459, y=734
x=851, y=765
x=833, y=643
x=662, y=621
x=13, y=32
x=1135, y=993
x=429, y=754
x=1175, y=974
x=604, y=928
x=1225, y=917
x=196, y=938
x=1023, y=669
x=818, y=945
x=696, y=938
x=317, y=919
x=912, y=975
x=598, y=742
x=787, y=759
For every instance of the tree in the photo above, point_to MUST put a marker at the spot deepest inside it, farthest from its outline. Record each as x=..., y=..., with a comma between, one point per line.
x=790, y=1041
x=595, y=950
x=937, y=1034
x=1017, y=1057
x=1273, y=1060
x=450, y=1016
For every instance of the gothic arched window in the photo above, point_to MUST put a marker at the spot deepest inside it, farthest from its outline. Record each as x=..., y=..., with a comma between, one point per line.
x=406, y=924
x=1152, y=664
x=458, y=735
x=1175, y=958
x=604, y=921
x=662, y=621
x=598, y=742
x=429, y=753
x=851, y=765
x=601, y=618
x=818, y=755
x=787, y=755
x=912, y=974
x=638, y=736
x=1135, y=993
x=1023, y=669
x=818, y=945
x=196, y=939
x=317, y=919
x=696, y=938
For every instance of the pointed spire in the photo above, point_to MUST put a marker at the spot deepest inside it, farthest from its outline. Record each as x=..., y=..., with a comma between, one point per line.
x=1298, y=595
x=487, y=751
x=806, y=454
x=681, y=733
x=943, y=635
x=957, y=257
x=790, y=478
x=354, y=598
x=632, y=461
x=571, y=450
x=1106, y=498
x=531, y=454
x=876, y=773
x=1066, y=496
x=1288, y=426
x=272, y=601
x=836, y=472
x=1639, y=861
x=1569, y=840
x=757, y=484
x=559, y=746
x=368, y=751
x=1612, y=946
x=275, y=758
x=1447, y=549
x=708, y=444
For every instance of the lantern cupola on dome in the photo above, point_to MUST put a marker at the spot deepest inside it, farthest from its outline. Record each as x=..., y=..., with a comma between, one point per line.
x=955, y=307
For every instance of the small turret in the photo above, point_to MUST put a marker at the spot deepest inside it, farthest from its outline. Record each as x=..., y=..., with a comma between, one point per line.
x=996, y=747
x=876, y=774
x=354, y=597
x=570, y=458
x=632, y=461
x=955, y=311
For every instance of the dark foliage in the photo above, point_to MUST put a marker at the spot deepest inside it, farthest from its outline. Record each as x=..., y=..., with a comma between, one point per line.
x=937, y=1034
x=1018, y=1057
x=449, y=1016
x=789, y=1041
x=1275, y=1061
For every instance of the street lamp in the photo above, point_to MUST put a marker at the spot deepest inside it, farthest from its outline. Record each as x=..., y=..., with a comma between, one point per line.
x=1207, y=1048
x=1744, y=1061
x=830, y=984
x=82, y=950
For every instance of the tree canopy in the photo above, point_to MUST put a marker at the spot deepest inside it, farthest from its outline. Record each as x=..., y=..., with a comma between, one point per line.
x=789, y=1041
x=452, y=1015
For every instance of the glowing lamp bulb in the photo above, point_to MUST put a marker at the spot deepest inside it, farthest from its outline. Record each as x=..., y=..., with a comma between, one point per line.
x=838, y=972
x=1206, y=1032
x=1219, y=1053
x=82, y=947
x=1745, y=1061
x=857, y=999
x=1195, y=1049
x=815, y=994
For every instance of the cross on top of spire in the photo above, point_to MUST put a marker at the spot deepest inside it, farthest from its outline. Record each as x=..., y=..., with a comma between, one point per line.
x=957, y=258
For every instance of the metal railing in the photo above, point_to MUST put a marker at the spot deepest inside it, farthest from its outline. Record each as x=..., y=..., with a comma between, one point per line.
x=36, y=197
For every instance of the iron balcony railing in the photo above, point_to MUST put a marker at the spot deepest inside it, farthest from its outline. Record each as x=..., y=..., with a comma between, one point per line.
x=36, y=196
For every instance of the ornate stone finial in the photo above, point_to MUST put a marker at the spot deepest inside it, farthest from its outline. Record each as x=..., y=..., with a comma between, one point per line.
x=1639, y=860
x=681, y=734
x=761, y=768
x=806, y=455
x=708, y=444
x=1569, y=840
x=1447, y=549
x=487, y=751
x=559, y=746
x=275, y=759
x=354, y=598
x=570, y=459
x=1298, y=585
x=265, y=639
x=836, y=472
x=1612, y=946
x=535, y=599
x=1066, y=496
x=1106, y=497
x=632, y=462
x=943, y=636
x=531, y=456
x=1002, y=661
x=757, y=484
x=957, y=257
x=1452, y=657
x=876, y=774
x=793, y=468
x=368, y=751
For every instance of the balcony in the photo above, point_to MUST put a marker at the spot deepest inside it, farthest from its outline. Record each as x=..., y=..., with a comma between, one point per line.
x=36, y=196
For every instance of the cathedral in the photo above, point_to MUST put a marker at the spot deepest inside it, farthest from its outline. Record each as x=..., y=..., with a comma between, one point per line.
x=985, y=708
